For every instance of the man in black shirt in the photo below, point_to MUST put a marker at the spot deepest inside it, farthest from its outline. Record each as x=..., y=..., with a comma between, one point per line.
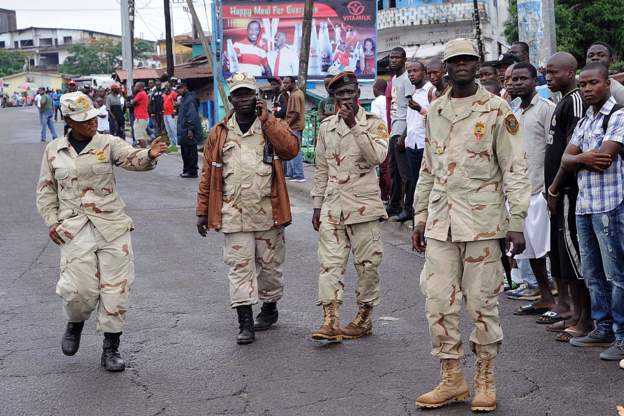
x=279, y=98
x=564, y=248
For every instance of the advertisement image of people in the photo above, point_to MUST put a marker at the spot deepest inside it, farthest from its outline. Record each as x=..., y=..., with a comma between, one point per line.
x=264, y=38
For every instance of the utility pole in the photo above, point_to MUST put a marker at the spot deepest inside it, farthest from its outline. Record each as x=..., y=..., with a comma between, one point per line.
x=168, y=42
x=304, y=53
x=208, y=52
x=477, y=23
x=536, y=26
x=127, y=45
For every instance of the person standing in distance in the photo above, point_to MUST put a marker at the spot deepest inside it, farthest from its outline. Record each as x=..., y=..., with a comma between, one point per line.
x=189, y=130
x=473, y=161
x=77, y=198
x=242, y=193
x=348, y=208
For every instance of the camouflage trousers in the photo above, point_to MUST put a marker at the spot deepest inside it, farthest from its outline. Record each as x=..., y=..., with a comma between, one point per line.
x=255, y=260
x=472, y=272
x=336, y=241
x=98, y=274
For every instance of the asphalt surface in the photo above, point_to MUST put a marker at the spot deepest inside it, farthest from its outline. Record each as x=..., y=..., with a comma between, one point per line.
x=179, y=342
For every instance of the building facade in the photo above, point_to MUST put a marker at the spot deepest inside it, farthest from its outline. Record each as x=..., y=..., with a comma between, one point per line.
x=422, y=27
x=47, y=48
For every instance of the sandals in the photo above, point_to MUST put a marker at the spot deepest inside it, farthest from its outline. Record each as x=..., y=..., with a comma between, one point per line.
x=548, y=318
x=569, y=333
x=559, y=326
x=530, y=309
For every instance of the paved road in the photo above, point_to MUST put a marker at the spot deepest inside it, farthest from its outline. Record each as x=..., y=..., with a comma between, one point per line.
x=179, y=341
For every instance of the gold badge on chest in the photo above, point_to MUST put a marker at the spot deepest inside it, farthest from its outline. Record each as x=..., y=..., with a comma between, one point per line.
x=100, y=156
x=478, y=130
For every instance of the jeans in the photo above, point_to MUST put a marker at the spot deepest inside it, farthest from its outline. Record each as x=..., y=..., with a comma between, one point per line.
x=294, y=167
x=170, y=125
x=45, y=119
x=601, y=238
x=524, y=265
x=414, y=160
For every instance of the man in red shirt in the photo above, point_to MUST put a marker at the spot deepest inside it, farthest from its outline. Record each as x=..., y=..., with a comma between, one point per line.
x=141, y=116
x=169, y=101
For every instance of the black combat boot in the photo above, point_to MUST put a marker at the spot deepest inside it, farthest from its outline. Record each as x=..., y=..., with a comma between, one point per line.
x=268, y=316
x=111, y=360
x=71, y=338
x=246, y=334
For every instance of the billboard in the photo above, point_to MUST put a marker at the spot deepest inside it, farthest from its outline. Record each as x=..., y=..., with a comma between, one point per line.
x=264, y=38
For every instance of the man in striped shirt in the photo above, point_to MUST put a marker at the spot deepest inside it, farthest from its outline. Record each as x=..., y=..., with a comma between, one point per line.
x=595, y=153
x=252, y=59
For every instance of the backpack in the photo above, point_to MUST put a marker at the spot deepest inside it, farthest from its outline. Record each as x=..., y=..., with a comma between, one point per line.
x=605, y=124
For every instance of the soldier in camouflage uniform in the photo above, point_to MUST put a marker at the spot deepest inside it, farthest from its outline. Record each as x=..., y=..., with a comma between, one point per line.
x=77, y=198
x=473, y=159
x=242, y=193
x=348, y=207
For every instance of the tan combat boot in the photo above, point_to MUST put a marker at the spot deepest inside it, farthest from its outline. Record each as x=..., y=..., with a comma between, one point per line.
x=484, y=385
x=362, y=325
x=452, y=387
x=330, y=329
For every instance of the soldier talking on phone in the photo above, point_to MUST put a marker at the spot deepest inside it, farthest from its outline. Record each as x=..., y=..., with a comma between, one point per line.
x=348, y=207
x=242, y=193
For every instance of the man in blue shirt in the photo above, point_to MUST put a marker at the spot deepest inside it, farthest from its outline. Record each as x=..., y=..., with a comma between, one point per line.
x=189, y=129
x=56, y=103
x=594, y=152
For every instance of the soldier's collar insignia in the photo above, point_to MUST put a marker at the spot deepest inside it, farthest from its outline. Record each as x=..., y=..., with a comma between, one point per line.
x=511, y=124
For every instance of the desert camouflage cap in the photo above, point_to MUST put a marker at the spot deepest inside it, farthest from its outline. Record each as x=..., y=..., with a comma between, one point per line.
x=241, y=80
x=460, y=47
x=78, y=106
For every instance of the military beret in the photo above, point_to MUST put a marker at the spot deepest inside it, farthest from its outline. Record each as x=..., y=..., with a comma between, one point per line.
x=343, y=78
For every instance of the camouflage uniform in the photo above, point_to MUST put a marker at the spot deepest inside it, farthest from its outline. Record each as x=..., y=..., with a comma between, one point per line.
x=254, y=249
x=78, y=192
x=347, y=192
x=472, y=161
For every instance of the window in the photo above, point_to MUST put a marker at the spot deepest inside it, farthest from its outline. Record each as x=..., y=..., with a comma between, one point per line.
x=2, y=44
x=26, y=43
x=67, y=40
x=16, y=44
x=45, y=42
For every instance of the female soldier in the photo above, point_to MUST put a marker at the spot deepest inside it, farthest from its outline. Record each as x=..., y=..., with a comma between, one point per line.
x=78, y=200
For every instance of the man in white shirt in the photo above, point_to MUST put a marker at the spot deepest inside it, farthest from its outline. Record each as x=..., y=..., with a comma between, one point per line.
x=414, y=137
x=283, y=60
x=378, y=105
x=534, y=114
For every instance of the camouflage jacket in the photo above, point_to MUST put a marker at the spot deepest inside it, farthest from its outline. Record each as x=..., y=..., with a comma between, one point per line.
x=76, y=188
x=345, y=183
x=471, y=162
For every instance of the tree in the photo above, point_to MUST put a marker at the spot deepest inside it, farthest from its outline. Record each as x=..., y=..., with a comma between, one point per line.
x=579, y=24
x=11, y=62
x=100, y=57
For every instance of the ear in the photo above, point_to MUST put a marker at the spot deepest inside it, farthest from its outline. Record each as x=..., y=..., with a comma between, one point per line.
x=230, y=99
x=358, y=93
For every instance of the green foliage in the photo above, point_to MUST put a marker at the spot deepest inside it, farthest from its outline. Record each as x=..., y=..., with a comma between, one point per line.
x=579, y=24
x=510, y=29
x=100, y=57
x=11, y=62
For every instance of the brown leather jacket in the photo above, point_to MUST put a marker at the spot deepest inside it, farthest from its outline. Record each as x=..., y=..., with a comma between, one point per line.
x=210, y=193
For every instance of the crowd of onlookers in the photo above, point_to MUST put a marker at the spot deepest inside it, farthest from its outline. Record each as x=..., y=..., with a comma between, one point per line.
x=162, y=108
x=572, y=126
